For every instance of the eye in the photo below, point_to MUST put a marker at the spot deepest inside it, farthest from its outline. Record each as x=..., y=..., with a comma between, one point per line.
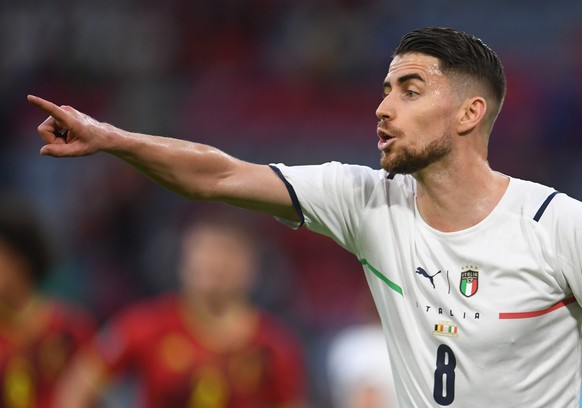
x=410, y=93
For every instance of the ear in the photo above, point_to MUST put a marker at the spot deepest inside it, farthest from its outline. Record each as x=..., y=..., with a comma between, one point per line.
x=471, y=114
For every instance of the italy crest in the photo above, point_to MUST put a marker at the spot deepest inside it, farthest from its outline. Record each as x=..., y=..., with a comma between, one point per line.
x=469, y=282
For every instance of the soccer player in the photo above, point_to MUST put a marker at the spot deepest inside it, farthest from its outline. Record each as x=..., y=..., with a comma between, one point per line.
x=477, y=275
x=39, y=336
x=206, y=346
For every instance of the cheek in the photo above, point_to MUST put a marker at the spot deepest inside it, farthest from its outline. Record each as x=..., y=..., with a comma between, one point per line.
x=12, y=270
x=436, y=120
x=425, y=126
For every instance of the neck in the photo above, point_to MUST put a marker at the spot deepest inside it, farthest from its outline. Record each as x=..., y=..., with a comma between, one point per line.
x=215, y=308
x=456, y=197
x=18, y=306
x=24, y=324
x=220, y=325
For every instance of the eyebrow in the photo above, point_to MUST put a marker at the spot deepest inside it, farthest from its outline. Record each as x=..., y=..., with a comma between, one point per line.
x=405, y=78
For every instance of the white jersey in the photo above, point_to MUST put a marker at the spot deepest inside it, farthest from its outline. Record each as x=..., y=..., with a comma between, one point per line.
x=485, y=317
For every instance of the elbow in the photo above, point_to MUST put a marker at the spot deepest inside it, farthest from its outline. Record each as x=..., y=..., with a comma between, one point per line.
x=206, y=191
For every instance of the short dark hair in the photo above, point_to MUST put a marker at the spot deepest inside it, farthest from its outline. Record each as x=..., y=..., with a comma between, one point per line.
x=22, y=232
x=460, y=53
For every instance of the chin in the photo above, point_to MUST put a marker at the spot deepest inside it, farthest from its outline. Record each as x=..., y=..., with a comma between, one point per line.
x=391, y=167
x=400, y=165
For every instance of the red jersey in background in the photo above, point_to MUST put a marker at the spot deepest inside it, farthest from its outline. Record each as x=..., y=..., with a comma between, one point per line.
x=35, y=351
x=176, y=369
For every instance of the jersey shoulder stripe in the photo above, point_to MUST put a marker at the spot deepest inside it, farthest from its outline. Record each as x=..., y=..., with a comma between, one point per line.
x=544, y=205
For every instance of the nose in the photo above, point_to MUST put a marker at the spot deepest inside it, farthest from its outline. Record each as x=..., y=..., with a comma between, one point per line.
x=385, y=110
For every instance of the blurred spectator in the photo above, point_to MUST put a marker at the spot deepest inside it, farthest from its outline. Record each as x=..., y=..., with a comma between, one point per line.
x=358, y=366
x=206, y=346
x=38, y=336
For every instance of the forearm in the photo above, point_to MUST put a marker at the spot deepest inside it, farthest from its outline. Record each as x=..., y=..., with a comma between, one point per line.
x=190, y=169
x=82, y=384
x=202, y=172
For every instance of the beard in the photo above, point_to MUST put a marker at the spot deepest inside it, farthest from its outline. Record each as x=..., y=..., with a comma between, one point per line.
x=409, y=161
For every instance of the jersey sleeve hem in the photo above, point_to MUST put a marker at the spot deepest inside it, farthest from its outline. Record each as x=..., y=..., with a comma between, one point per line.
x=294, y=200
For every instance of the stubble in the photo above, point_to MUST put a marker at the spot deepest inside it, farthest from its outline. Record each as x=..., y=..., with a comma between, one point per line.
x=408, y=161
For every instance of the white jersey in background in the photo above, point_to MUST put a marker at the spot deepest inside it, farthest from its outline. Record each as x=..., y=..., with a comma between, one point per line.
x=484, y=317
x=358, y=366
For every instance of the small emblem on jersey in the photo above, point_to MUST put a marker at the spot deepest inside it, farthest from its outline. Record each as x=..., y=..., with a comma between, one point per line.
x=447, y=329
x=176, y=353
x=469, y=281
x=430, y=277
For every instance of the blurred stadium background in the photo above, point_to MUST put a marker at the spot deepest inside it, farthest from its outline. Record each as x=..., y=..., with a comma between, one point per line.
x=294, y=81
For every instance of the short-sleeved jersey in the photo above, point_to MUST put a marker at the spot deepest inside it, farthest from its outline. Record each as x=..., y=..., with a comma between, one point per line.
x=32, y=362
x=484, y=317
x=152, y=342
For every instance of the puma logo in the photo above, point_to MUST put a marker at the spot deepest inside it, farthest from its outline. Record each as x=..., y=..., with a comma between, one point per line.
x=424, y=273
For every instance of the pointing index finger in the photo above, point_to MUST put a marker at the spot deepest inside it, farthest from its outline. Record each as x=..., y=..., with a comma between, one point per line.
x=55, y=111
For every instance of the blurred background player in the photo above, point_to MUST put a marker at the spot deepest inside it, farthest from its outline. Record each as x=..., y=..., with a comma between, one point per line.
x=38, y=335
x=207, y=346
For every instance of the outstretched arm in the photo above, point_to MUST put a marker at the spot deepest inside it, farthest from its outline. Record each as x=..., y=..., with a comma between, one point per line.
x=83, y=384
x=190, y=169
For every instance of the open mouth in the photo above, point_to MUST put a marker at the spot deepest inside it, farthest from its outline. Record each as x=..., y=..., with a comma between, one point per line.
x=386, y=139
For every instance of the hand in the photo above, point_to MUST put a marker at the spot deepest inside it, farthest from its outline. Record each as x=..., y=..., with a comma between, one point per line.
x=68, y=132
